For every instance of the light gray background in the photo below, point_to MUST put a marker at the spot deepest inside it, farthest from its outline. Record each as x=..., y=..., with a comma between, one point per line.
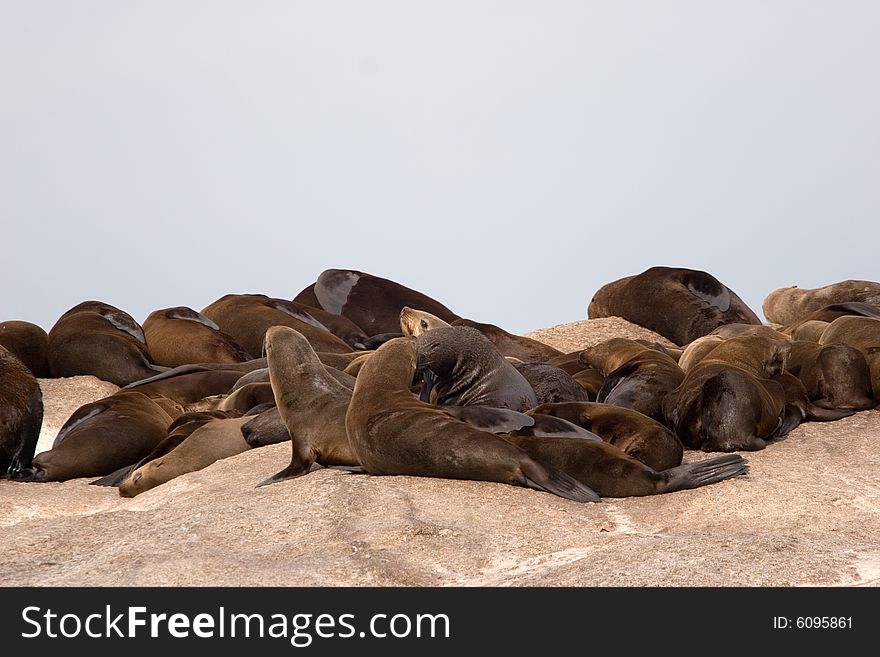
x=507, y=158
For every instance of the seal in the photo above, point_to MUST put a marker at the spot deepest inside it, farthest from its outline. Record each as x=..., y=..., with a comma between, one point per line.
x=246, y=317
x=104, y=344
x=394, y=433
x=835, y=376
x=590, y=380
x=247, y=397
x=551, y=384
x=811, y=326
x=21, y=416
x=415, y=322
x=102, y=437
x=178, y=430
x=311, y=402
x=181, y=336
x=637, y=435
x=371, y=302
x=460, y=367
x=636, y=376
x=208, y=443
x=788, y=305
x=862, y=333
x=727, y=401
x=679, y=304
x=516, y=346
x=29, y=343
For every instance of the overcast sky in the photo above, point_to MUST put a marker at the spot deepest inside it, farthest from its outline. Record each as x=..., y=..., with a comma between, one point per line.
x=506, y=158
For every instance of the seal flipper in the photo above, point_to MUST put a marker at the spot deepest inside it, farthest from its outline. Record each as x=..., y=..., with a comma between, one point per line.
x=167, y=373
x=792, y=416
x=613, y=380
x=819, y=414
x=114, y=478
x=550, y=426
x=490, y=419
x=191, y=315
x=707, y=288
x=29, y=435
x=376, y=341
x=703, y=473
x=540, y=476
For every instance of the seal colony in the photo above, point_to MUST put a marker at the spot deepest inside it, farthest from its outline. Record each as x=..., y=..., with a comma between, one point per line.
x=362, y=373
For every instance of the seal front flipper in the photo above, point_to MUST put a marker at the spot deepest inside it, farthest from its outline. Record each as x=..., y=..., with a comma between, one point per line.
x=489, y=418
x=114, y=478
x=549, y=426
x=819, y=414
x=540, y=476
x=707, y=288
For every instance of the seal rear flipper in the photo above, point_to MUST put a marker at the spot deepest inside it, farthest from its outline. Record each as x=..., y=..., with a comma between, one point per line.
x=703, y=473
x=490, y=419
x=376, y=341
x=114, y=478
x=539, y=476
x=791, y=418
x=819, y=414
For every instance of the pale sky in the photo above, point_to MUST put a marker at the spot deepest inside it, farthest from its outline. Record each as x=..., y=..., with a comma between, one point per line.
x=506, y=158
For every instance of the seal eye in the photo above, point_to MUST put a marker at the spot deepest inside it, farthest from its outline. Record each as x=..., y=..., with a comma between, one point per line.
x=423, y=324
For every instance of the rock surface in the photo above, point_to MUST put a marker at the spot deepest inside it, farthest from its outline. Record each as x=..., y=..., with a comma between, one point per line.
x=806, y=514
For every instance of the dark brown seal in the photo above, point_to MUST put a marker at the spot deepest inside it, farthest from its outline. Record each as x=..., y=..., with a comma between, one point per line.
x=312, y=404
x=29, y=343
x=639, y=436
x=394, y=433
x=98, y=339
x=247, y=317
x=21, y=416
x=371, y=302
x=103, y=436
x=679, y=304
x=181, y=336
x=788, y=305
x=460, y=367
x=636, y=376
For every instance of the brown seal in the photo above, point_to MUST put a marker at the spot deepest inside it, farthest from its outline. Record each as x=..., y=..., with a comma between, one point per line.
x=862, y=333
x=679, y=304
x=246, y=317
x=312, y=404
x=835, y=376
x=394, y=433
x=460, y=367
x=810, y=330
x=103, y=436
x=371, y=302
x=639, y=436
x=788, y=305
x=247, y=397
x=29, y=343
x=208, y=443
x=811, y=326
x=727, y=401
x=98, y=339
x=181, y=336
x=509, y=344
x=636, y=376
x=21, y=416
x=697, y=351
